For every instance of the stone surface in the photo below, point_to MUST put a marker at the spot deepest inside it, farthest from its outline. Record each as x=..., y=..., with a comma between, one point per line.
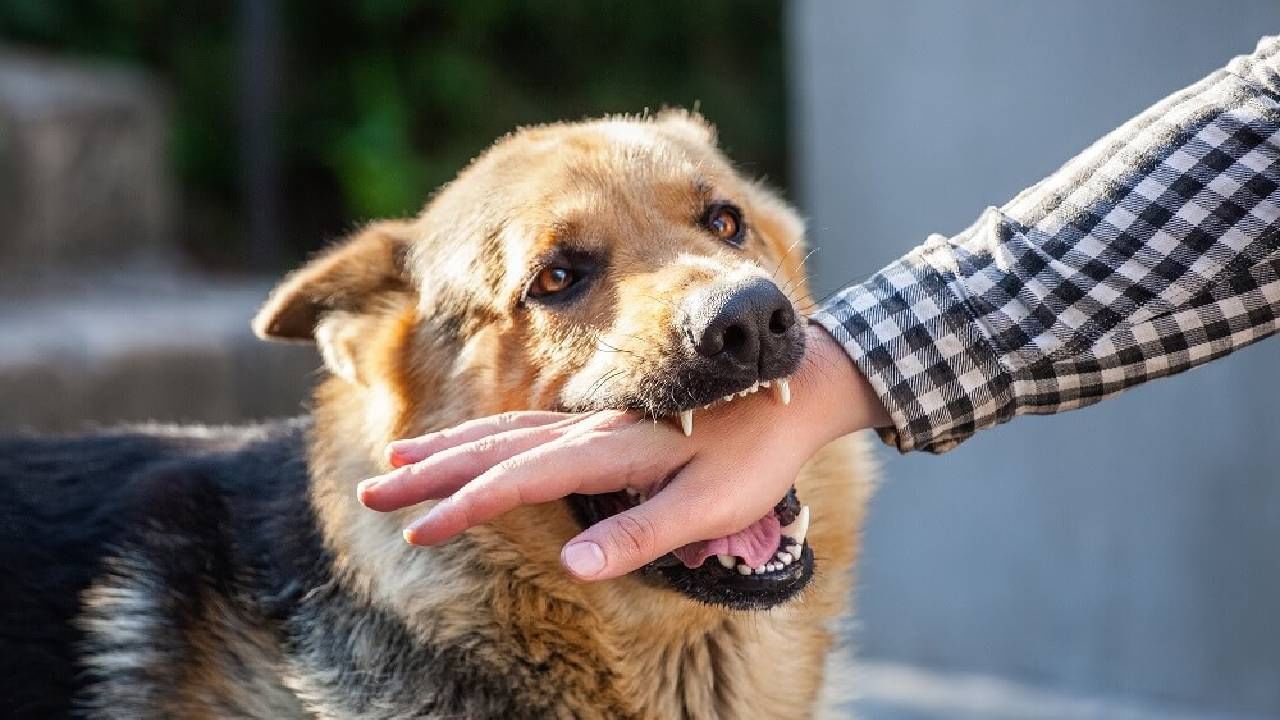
x=83, y=171
x=136, y=348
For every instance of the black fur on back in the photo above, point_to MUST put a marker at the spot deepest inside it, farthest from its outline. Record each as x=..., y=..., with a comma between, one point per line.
x=186, y=518
x=66, y=504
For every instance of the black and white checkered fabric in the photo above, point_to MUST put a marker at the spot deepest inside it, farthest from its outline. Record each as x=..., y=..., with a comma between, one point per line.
x=1154, y=251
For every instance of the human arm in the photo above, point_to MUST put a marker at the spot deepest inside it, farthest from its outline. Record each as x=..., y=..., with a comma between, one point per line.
x=1152, y=252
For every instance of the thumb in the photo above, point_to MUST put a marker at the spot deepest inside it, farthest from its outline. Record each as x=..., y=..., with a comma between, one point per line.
x=627, y=541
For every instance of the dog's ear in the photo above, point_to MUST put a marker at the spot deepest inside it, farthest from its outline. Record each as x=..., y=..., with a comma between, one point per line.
x=318, y=300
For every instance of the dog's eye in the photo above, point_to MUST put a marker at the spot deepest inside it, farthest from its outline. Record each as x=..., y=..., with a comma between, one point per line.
x=552, y=280
x=725, y=222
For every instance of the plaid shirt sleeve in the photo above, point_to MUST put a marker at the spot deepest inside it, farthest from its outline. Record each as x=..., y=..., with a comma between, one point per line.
x=1154, y=251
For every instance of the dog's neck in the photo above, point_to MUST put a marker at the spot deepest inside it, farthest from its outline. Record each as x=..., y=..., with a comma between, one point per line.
x=633, y=649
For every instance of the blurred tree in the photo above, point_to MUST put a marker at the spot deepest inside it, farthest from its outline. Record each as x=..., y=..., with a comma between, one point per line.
x=383, y=100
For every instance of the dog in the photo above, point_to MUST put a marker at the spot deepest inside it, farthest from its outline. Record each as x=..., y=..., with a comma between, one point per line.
x=231, y=572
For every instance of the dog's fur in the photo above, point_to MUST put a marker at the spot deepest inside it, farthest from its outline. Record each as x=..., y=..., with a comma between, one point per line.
x=213, y=573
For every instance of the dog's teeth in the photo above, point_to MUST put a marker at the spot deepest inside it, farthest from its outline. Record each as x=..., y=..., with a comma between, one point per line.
x=758, y=570
x=782, y=391
x=728, y=561
x=798, y=528
x=744, y=570
x=794, y=550
x=686, y=422
x=765, y=383
x=785, y=557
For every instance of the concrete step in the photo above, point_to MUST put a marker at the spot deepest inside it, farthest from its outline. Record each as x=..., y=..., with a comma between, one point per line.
x=78, y=352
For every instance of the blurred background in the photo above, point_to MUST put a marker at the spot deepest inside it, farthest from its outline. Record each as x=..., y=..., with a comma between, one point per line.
x=161, y=163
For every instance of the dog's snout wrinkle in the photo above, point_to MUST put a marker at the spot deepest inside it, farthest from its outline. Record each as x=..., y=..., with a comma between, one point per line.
x=744, y=325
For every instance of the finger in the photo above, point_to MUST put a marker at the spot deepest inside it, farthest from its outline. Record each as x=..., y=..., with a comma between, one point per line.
x=446, y=471
x=601, y=461
x=682, y=513
x=411, y=450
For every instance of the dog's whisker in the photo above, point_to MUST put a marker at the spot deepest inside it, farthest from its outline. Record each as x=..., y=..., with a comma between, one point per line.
x=602, y=346
x=599, y=384
x=664, y=301
x=793, y=284
x=800, y=278
x=784, y=257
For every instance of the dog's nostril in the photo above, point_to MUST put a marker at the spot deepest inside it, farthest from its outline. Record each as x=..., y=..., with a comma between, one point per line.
x=781, y=321
x=735, y=337
x=744, y=326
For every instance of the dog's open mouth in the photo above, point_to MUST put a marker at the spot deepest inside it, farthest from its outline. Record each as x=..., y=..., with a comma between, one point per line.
x=758, y=567
x=781, y=392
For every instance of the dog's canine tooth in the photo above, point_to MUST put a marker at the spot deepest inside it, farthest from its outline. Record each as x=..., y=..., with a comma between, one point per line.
x=784, y=556
x=727, y=561
x=798, y=528
x=686, y=422
x=782, y=391
x=765, y=383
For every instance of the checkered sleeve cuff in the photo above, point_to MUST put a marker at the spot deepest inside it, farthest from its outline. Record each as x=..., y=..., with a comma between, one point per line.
x=1155, y=250
x=922, y=350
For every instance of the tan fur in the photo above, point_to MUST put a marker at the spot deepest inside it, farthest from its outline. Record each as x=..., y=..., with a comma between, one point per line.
x=424, y=330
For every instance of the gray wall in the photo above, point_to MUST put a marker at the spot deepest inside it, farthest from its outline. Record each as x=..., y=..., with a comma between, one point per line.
x=1132, y=548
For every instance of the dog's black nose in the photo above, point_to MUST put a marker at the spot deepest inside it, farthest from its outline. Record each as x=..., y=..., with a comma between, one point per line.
x=746, y=325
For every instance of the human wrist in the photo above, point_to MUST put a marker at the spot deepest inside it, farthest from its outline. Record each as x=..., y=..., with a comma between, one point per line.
x=835, y=398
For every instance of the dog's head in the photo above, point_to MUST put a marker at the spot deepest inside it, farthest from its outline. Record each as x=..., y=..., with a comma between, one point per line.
x=617, y=263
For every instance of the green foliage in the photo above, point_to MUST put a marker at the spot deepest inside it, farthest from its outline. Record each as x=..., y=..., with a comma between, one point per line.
x=383, y=100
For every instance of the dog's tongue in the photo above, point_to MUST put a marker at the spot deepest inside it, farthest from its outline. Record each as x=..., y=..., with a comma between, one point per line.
x=756, y=544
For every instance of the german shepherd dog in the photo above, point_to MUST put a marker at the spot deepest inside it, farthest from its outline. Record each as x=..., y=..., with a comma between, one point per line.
x=232, y=573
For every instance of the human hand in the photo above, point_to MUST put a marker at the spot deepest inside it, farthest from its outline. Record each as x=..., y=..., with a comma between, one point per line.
x=742, y=458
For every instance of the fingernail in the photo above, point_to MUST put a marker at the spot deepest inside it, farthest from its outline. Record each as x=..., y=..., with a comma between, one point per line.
x=584, y=559
x=411, y=533
x=394, y=458
x=365, y=486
